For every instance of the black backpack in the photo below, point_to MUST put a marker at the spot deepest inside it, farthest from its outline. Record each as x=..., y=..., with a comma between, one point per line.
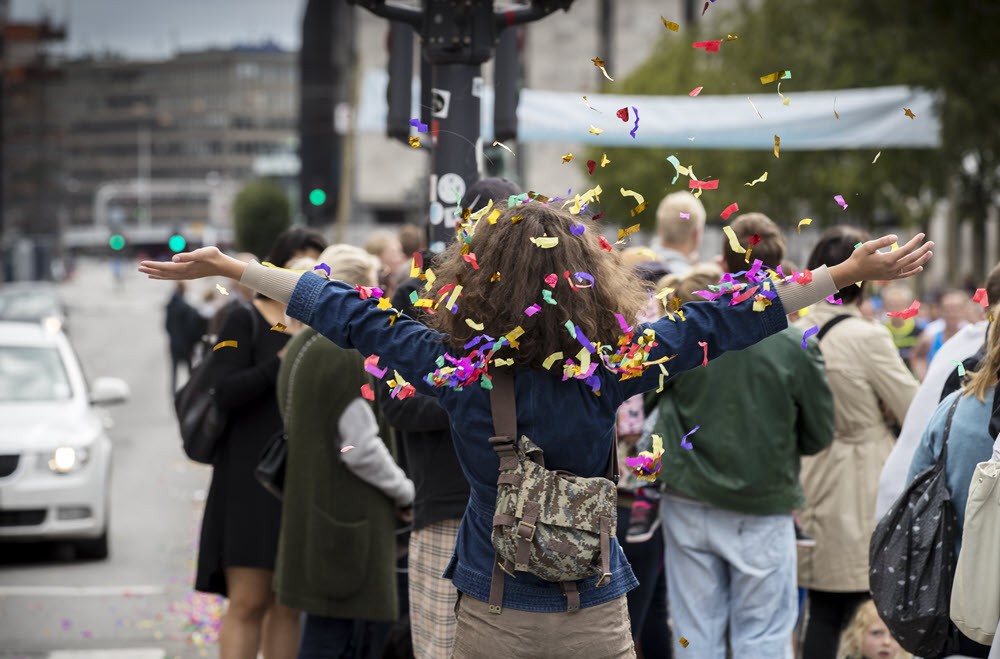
x=912, y=560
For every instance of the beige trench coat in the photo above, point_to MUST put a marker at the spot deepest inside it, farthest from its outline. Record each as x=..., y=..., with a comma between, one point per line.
x=841, y=482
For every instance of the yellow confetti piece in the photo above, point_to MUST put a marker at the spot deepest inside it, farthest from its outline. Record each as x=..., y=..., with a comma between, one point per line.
x=599, y=63
x=893, y=247
x=670, y=25
x=516, y=219
x=226, y=344
x=909, y=113
x=384, y=303
x=551, y=359
x=221, y=290
x=803, y=222
x=623, y=233
x=595, y=130
x=494, y=216
x=732, y=37
x=474, y=325
x=279, y=327
x=567, y=158
x=684, y=641
x=774, y=77
x=455, y=292
x=503, y=362
x=876, y=157
x=514, y=335
x=784, y=99
x=759, y=179
x=638, y=209
x=639, y=200
x=415, y=142
x=431, y=277
x=777, y=146
x=503, y=146
x=545, y=242
x=734, y=243
x=604, y=160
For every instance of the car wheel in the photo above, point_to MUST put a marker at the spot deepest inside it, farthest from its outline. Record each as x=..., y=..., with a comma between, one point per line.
x=95, y=549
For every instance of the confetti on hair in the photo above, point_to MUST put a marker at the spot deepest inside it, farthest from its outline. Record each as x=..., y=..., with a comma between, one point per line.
x=552, y=279
x=474, y=325
x=804, y=222
x=908, y=312
x=279, y=327
x=684, y=216
x=777, y=146
x=840, y=200
x=470, y=258
x=545, y=242
x=635, y=127
x=551, y=359
x=670, y=25
x=348, y=447
x=547, y=297
x=323, y=267
x=221, y=289
x=532, y=310
x=605, y=245
x=806, y=334
x=599, y=63
x=226, y=344
x=759, y=179
x=622, y=114
x=595, y=130
x=577, y=229
x=504, y=146
x=909, y=113
x=730, y=209
x=414, y=142
x=366, y=392
x=777, y=75
x=734, y=243
x=695, y=91
x=981, y=298
x=685, y=444
x=709, y=46
x=647, y=464
x=421, y=127
x=704, y=347
x=803, y=277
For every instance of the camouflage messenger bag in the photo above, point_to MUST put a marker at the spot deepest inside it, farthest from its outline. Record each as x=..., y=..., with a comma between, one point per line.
x=552, y=524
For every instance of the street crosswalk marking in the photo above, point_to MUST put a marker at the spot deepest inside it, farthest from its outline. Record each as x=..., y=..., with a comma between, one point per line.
x=123, y=653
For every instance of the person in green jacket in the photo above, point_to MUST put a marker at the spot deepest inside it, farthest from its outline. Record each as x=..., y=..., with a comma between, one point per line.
x=733, y=433
x=343, y=490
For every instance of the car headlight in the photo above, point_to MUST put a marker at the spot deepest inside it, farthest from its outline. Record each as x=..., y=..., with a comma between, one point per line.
x=65, y=459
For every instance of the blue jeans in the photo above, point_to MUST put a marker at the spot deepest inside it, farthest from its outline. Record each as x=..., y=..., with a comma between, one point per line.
x=727, y=568
x=339, y=638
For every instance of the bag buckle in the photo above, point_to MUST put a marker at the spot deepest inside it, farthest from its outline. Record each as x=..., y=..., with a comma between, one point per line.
x=521, y=525
x=603, y=581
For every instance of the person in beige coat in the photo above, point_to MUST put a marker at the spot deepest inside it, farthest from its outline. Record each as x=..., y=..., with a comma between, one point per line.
x=868, y=380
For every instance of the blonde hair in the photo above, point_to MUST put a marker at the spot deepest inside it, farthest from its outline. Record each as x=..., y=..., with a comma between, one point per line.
x=379, y=241
x=351, y=264
x=853, y=636
x=985, y=377
x=698, y=278
x=670, y=226
x=301, y=263
x=635, y=255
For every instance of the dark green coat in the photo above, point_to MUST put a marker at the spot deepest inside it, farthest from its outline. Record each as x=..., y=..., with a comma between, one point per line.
x=337, y=551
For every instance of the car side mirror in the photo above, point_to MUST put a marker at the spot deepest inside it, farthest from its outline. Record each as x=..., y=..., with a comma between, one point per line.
x=109, y=391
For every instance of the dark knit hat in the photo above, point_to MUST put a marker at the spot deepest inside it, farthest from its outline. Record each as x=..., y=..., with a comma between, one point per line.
x=482, y=191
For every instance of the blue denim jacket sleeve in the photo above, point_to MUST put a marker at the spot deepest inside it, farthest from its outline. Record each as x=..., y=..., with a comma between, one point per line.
x=335, y=310
x=721, y=326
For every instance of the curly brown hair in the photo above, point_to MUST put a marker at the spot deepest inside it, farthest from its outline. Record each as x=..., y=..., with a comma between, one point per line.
x=499, y=303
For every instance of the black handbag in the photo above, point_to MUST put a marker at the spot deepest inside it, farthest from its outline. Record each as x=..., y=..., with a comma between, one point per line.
x=270, y=471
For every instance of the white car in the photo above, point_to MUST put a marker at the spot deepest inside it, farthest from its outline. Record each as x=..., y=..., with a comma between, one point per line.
x=55, y=455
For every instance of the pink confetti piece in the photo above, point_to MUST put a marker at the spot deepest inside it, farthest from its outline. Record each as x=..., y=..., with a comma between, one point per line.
x=840, y=200
x=833, y=300
x=371, y=365
x=366, y=392
x=908, y=312
x=695, y=91
x=346, y=448
x=532, y=310
x=704, y=347
x=552, y=280
x=703, y=185
x=981, y=298
x=730, y=209
x=709, y=46
x=685, y=216
x=805, y=335
x=685, y=444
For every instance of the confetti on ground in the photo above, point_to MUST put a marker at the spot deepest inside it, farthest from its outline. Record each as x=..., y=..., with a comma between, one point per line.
x=226, y=344
x=908, y=312
x=595, y=130
x=685, y=444
x=635, y=111
x=599, y=63
x=981, y=298
x=805, y=335
x=709, y=46
x=876, y=157
x=695, y=91
x=421, y=128
x=221, y=290
x=774, y=77
x=670, y=25
x=730, y=209
x=759, y=179
x=777, y=146
x=503, y=146
x=622, y=114
x=909, y=113
x=840, y=200
x=804, y=222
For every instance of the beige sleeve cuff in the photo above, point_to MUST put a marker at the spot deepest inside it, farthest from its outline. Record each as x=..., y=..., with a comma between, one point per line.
x=275, y=283
x=799, y=296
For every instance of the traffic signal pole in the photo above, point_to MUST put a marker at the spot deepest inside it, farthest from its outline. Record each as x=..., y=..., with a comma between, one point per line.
x=457, y=37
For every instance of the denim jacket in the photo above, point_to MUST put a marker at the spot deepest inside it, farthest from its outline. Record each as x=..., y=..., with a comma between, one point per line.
x=573, y=426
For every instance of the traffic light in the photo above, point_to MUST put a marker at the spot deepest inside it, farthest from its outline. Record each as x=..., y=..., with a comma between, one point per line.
x=117, y=242
x=177, y=243
x=317, y=197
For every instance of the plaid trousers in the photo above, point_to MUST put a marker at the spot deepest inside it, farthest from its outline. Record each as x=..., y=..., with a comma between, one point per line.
x=432, y=597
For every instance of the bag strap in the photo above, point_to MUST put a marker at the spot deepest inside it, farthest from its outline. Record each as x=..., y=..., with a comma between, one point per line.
x=943, y=458
x=830, y=324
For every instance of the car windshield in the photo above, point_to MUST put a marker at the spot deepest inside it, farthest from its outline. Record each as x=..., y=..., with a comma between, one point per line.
x=27, y=305
x=30, y=373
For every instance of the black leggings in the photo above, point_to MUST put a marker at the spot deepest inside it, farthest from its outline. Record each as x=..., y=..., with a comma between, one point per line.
x=829, y=613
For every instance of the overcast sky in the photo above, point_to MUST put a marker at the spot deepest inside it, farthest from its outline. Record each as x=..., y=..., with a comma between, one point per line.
x=156, y=28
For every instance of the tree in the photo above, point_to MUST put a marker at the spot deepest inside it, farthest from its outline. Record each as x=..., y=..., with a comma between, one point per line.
x=261, y=211
x=831, y=45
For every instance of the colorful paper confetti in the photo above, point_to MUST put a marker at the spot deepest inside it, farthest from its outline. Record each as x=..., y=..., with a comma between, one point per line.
x=804, y=222
x=599, y=63
x=503, y=146
x=695, y=184
x=759, y=179
x=421, y=128
x=805, y=335
x=840, y=200
x=734, y=242
x=670, y=25
x=695, y=91
x=730, y=209
x=221, y=290
x=981, y=298
x=774, y=77
x=226, y=344
x=635, y=127
x=777, y=146
x=708, y=46
x=685, y=444
x=909, y=113
x=908, y=312
x=414, y=142
x=595, y=130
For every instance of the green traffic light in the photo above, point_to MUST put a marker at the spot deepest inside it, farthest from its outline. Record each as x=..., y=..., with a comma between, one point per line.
x=177, y=243
x=317, y=197
x=116, y=242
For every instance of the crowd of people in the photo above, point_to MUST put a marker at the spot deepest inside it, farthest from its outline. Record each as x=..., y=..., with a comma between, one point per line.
x=793, y=405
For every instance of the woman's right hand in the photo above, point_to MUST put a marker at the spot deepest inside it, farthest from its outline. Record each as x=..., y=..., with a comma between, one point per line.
x=203, y=262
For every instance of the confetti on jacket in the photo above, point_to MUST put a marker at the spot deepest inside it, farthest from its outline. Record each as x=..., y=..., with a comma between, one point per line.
x=685, y=444
x=805, y=335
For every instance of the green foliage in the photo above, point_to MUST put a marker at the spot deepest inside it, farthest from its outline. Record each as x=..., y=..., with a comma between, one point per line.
x=946, y=46
x=261, y=211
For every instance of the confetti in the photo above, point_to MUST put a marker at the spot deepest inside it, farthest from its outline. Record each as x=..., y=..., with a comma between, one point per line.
x=784, y=99
x=551, y=359
x=773, y=77
x=777, y=146
x=759, y=115
x=730, y=209
x=759, y=179
x=595, y=130
x=547, y=298
x=670, y=25
x=599, y=63
x=685, y=444
x=635, y=111
x=504, y=146
x=591, y=164
x=805, y=335
x=908, y=312
x=961, y=367
x=981, y=298
x=604, y=160
x=695, y=91
x=909, y=113
x=415, y=142
x=683, y=641
x=366, y=392
x=704, y=347
x=647, y=464
x=694, y=184
x=577, y=229
x=474, y=325
x=605, y=245
x=678, y=167
x=639, y=199
x=471, y=258
x=803, y=222
x=836, y=115
x=623, y=233
x=876, y=157
x=348, y=447
x=533, y=309
x=221, y=290
x=684, y=216
x=734, y=242
x=371, y=366
x=422, y=128
x=545, y=242
x=552, y=279
x=709, y=46
x=840, y=200
x=324, y=267
x=226, y=344
x=567, y=158
x=279, y=327
x=587, y=103
x=622, y=114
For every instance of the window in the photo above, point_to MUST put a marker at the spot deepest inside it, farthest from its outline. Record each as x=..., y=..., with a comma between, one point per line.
x=32, y=374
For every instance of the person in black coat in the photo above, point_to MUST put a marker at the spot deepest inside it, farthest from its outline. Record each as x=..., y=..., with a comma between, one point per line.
x=185, y=327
